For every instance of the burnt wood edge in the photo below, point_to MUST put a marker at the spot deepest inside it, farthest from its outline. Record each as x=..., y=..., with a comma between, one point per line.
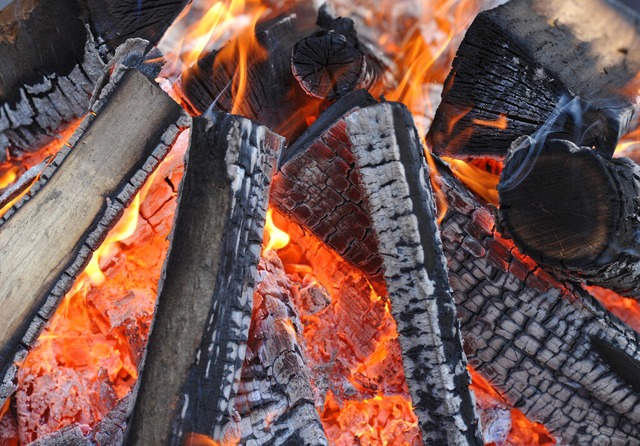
x=223, y=200
x=394, y=179
x=110, y=214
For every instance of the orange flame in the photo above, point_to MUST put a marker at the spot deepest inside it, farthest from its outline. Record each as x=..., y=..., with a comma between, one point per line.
x=482, y=183
x=274, y=237
x=501, y=123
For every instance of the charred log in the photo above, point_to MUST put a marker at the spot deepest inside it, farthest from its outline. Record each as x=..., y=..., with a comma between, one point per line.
x=574, y=211
x=49, y=235
x=332, y=61
x=394, y=179
x=275, y=403
x=520, y=61
x=197, y=344
x=318, y=187
x=270, y=94
x=548, y=347
x=53, y=53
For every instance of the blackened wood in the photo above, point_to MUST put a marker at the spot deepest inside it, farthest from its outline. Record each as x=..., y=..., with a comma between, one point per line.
x=198, y=339
x=547, y=347
x=275, y=403
x=53, y=53
x=332, y=61
x=394, y=178
x=48, y=237
x=574, y=211
x=518, y=61
x=272, y=96
x=22, y=184
x=317, y=186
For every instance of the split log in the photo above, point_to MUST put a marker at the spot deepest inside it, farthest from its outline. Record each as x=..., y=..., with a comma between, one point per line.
x=332, y=61
x=318, y=187
x=275, y=402
x=574, y=211
x=547, y=347
x=394, y=179
x=198, y=339
x=53, y=53
x=262, y=87
x=522, y=60
x=48, y=237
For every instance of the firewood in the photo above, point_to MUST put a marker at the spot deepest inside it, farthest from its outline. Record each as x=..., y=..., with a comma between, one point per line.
x=71, y=435
x=52, y=54
x=275, y=402
x=198, y=339
x=332, y=61
x=574, y=211
x=317, y=187
x=518, y=61
x=48, y=237
x=271, y=95
x=394, y=181
x=547, y=347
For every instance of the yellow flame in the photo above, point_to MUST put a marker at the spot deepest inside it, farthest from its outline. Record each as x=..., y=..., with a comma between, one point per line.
x=8, y=177
x=481, y=182
x=275, y=237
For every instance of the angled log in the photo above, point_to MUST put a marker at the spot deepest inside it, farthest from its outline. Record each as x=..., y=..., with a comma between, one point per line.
x=332, y=61
x=317, y=186
x=394, y=179
x=574, y=211
x=198, y=339
x=547, y=347
x=54, y=52
x=264, y=89
x=520, y=61
x=49, y=235
x=275, y=403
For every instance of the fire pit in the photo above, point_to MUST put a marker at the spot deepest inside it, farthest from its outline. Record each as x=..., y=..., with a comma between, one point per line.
x=319, y=233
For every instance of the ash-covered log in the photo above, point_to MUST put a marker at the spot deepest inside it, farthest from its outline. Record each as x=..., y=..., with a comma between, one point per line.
x=198, y=339
x=251, y=75
x=48, y=237
x=318, y=187
x=574, y=211
x=547, y=347
x=394, y=179
x=520, y=60
x=275, y=403
x=53, y=53
x=332, y=61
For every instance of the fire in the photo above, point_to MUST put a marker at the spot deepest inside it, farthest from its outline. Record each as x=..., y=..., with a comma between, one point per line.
x=274, y=237
x=501, y=123
x=482, y=183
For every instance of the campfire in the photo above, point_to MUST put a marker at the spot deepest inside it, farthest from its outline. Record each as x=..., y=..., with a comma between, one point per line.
x=275, y=222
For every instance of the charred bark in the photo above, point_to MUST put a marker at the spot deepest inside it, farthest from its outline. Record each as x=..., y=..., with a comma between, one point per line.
x=198, y=339
x=318, y=187
x=574, y=211
x=547, y=347
x=275, y=403
x=520, y=61
x=48, y=237
x=270, y=94
x=54, y=52
x=394, y=180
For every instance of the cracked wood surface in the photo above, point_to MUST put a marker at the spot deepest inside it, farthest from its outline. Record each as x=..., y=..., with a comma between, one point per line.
x=48, y=237
x=52, y=55
x=548, y=347
x=520, y=60
x=275, y=402
x=574, y=211
x=198, y=340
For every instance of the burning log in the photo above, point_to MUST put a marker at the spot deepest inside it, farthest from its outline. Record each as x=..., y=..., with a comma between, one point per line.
x=318, y=187
x=549, y=348
x=320, y=184
x=574, y=211
x=394, y=179
x=204, y=306
x=332, y=61
x=518, y=61
x=275, y=402
x=79, y=197
x=54, y=52
x=257, y=69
